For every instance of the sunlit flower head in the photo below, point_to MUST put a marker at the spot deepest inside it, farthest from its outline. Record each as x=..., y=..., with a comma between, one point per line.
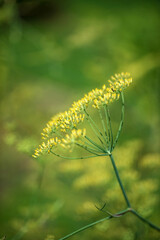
x=63, y=129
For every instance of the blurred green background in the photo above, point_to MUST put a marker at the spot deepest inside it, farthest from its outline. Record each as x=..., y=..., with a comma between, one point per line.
x=52, y=53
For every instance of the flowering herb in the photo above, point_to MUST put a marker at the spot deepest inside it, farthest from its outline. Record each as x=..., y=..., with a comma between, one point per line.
x=63, y=132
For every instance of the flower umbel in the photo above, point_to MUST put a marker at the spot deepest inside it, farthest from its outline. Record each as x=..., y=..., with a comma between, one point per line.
x=63, y=131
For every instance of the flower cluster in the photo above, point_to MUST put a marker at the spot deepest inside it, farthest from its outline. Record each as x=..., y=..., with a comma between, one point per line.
x=67, y=142
x=63, y=122
x=65, y=125
x=106, y=97
x=119, y=82
x=46, y=147
x=70, y=140
x=98, y=97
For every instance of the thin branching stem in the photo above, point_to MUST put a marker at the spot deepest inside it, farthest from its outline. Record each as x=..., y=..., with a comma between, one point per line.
x=107, y=120
x=109, y=126
x=121, y=122
x=87, y=148
x=126, y=198
x=96, y=149
x=95, y=223
x=104, y=127
x=74, y=158
x=116, y=215
x=119, y=214
x=94, y=143
x=85, y=227
x=95, y=132
x=119, y=180
x=95, y=125
x=145, y=220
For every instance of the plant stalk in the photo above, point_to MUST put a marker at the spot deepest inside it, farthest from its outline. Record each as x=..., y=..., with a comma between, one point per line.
x=126, y=198
x=145, y=220
x=121, y=122
x=119, y=181
x=121, y=213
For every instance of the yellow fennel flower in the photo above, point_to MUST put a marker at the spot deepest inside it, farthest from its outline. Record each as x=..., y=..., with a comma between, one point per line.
x=62, y=130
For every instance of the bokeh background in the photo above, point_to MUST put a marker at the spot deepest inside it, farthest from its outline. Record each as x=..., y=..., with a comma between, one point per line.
x=51, y=53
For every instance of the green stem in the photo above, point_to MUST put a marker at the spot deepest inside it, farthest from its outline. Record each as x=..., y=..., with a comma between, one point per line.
x=93, y=224
x=106, y=115
x=119, y=181
x=96, y=149
x=126, y=198
x=145, y=220
x=119, y=214
x=121, y=122
x=95, y=125
x=93, y=143
x=104, y=127
x=109, y=126
x=73, y=158
x=97, y=145
x=86, y=148
x=93, y=129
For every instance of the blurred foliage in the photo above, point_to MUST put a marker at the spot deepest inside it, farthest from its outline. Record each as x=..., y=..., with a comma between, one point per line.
x=51, y=53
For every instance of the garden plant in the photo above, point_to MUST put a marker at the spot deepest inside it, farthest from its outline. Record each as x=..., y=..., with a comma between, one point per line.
x=67, y=131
